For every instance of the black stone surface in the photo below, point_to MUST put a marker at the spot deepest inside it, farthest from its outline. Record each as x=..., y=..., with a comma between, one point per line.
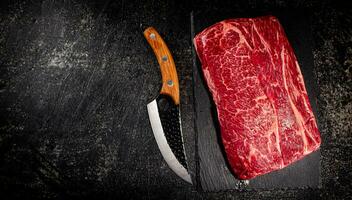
x=76, y=76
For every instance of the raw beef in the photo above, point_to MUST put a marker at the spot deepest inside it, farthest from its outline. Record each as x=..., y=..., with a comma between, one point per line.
x=265, y=117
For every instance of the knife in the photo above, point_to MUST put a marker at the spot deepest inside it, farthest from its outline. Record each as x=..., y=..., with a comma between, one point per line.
x=164, y=111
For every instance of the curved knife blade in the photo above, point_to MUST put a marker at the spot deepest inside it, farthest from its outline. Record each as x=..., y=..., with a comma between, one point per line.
x=166, y=127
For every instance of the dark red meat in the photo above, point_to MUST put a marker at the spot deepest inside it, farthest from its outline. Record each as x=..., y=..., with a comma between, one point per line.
x=264, y=112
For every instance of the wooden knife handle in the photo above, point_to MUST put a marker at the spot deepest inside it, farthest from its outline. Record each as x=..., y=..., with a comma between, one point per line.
x=170, y=85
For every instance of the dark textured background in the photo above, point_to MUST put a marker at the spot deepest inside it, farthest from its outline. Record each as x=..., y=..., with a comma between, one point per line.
x=76, y=76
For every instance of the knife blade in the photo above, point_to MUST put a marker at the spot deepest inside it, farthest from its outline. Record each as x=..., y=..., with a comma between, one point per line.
x=164, y=111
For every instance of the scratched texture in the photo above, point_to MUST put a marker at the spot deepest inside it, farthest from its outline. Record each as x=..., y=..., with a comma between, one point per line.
x=75, y=78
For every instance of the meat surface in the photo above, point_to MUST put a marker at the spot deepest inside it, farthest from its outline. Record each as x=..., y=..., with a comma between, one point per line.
x=265, y=117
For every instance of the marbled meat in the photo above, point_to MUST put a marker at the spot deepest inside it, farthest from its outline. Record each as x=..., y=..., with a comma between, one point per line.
x=265, y=116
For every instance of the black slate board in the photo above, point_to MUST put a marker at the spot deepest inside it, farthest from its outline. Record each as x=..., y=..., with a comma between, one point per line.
x=213, y=169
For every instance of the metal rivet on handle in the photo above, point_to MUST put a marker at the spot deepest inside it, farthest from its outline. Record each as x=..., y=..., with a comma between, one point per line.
x=170, y=83
x=152, y=35
x=164, y=58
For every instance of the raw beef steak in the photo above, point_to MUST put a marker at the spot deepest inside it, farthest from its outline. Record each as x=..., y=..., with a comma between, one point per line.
x=265, y=117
